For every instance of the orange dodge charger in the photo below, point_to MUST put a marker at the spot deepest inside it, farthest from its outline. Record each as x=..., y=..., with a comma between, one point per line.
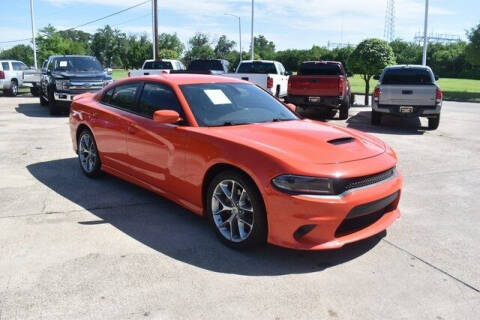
x=228, y=150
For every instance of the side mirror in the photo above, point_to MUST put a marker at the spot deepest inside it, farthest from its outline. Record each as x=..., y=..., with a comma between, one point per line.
x=166, y=116
x=288, y=73
x=436, y=78
x=292, y=107
x=349, y=74
x=376, y=77
x=109, y=71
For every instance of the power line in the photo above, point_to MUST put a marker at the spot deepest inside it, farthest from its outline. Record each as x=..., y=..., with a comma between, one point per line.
x=89, y=22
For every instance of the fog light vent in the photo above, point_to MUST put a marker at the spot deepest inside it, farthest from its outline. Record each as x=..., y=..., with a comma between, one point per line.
x=303, y=230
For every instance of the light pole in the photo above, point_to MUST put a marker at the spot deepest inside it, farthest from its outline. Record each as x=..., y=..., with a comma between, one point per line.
x=33, y=35
x=252, y=40
x=425, y=37
x=239, y=31
x=155, y=30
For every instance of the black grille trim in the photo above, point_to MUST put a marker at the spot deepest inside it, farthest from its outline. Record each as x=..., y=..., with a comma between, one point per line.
x=359, y=182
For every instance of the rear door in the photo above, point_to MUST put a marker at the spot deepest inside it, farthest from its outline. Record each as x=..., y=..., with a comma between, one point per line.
x=111, y=124
x=407, y=86
x=156, y=150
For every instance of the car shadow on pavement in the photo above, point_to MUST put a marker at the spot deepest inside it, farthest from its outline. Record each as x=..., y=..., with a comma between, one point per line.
x=36, y=110
x=174, y=231
x=389, y=124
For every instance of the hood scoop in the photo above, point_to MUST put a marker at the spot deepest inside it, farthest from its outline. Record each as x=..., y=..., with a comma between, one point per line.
x=340, y=141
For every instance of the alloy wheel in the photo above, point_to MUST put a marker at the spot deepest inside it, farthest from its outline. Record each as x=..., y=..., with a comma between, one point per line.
x=87, y=153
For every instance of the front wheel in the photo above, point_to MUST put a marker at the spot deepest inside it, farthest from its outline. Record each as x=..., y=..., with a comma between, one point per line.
x=13, y=91
x=88, y=154
x=433, y=123
x=376, y=118
x=236, y=211
x=53, y=104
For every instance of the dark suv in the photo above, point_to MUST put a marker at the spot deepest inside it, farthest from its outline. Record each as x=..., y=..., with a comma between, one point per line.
x=67, y=76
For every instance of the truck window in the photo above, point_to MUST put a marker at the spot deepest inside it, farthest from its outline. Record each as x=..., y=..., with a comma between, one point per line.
x=5, y=66
x=76, y=64
x=205, y=65
x=408, y=76
x=320, y=69
x=158, y=65
x=257, y=67
x=17, y=66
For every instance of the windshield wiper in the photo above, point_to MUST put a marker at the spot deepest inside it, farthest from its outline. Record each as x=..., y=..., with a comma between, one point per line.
x=279, y=119
x=229, y=123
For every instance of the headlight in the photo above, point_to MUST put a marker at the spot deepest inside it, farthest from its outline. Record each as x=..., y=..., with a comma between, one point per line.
x=303, y=185
x=107, y=82
x=62, y=84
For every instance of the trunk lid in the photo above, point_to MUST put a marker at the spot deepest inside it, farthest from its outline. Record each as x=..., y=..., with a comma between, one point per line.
x=412, y=95
x=312, y=85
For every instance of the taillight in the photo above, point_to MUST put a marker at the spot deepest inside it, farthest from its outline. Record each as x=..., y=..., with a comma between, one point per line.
x=341, y=85
x=376, y=94
x=269, y=82
x=439, y=96
x=2, y=75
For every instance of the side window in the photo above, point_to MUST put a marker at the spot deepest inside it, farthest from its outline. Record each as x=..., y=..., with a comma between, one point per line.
x=24, y=66
x=5, y=66
x=16, y=66
x=107, y=96
x=158, y=97
x=124, y=96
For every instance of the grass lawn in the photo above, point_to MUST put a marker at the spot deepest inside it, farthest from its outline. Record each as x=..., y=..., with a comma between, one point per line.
x=119, y=74
x=453, y=89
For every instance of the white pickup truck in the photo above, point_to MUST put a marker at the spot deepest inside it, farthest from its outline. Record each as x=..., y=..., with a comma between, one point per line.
x=270, y=75
x=152, y=67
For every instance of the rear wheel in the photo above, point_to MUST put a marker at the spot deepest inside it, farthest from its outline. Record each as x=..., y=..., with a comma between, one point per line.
x=13, y=91
x=236, y=211
x=88, y=154
x=343, y=114
x=433, y=123
x=376, y=118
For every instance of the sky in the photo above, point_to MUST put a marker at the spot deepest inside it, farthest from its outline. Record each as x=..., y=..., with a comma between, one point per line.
x=288, y=23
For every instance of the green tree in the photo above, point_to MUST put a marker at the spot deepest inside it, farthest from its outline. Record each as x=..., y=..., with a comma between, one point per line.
x=472, y=50
x=50, y=42
x=168, y=54
x=20, y=52
x=168, y=41
x=135, y=50
x=107, y=45
x=223, y=47
x=370, y=57
x=264, y=48
x=199, y=48
x=406, y=52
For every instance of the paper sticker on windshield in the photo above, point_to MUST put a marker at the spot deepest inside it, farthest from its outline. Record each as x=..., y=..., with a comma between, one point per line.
x=217, y=96
x=63, y=64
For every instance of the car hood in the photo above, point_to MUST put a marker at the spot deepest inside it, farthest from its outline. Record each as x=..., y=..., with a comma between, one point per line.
x=300, y=141
x=82, y=75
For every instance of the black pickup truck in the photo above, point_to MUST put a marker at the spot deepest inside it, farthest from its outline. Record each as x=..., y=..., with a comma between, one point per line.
x=67, y=76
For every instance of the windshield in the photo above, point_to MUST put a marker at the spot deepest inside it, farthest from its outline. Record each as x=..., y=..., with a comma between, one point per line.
x=407, y=76
x=205, y=65
x=158, y=65
x=257, y=67
x=223, y=104
x=320, y=69
x=77, y=64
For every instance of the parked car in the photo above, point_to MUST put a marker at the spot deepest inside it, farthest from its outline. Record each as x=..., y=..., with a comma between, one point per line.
x=228, y=150
x=321, y=85
x=67, y=76
x=212, y=66
x=269, y=75
x=11, y=76
x=152, y=67
x=407, y=91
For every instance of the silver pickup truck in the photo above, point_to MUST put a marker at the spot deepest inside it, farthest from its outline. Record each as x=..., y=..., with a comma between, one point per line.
x=407, y=91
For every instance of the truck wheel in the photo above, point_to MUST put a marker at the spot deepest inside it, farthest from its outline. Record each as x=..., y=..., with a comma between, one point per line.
x=433, y=123
x=277, y=92
x=35, y=91
x=13, y=88
x=376, y=118
x=343, y=114
x=53, y=105
x=43, y=101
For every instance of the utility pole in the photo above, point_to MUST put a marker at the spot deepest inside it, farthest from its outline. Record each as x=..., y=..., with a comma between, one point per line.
x=425, y=37
x=33, y=35
x=252, y=40
x=239, y=31
x=155, y=30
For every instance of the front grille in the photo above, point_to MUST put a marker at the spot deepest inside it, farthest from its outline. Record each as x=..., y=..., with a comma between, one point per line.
x=368, y=180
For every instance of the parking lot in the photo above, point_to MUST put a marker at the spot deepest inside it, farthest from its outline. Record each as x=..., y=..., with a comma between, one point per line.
x=72, y=247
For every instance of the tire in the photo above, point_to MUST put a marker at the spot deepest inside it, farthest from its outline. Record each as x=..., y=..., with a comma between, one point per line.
x=277, y=92
x=13, y=91
x=88, y=156
x=433, y=123
x=236, y=210
x=343, y=114
x=43, y=101
x=53, y=105
x=376, y=118
x=35, y=91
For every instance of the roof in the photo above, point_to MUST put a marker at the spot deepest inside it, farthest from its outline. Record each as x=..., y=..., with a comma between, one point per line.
x=416, y=66
x=152, y=60
x=323, y=61
x=188, y=78
x=266, y=61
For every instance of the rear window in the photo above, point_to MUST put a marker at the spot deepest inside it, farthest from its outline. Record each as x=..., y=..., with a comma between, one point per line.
x=407, y=76
x=320, y=69
x=257, y=67
x=157, y=65
x=206, y=65
x=5, y=66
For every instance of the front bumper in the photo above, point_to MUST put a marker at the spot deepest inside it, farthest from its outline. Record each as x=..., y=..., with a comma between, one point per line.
x=418, y=111
x=63, y=96
x=333, y=221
